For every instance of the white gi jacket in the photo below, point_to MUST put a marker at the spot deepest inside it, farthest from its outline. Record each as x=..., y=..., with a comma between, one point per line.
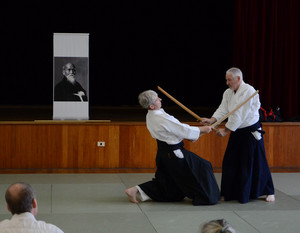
x=167, y=128
x=26, y=223
x=246, y=115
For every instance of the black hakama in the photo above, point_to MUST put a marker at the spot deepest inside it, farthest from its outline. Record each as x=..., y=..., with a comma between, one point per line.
x=177, y=178
x=245, y=171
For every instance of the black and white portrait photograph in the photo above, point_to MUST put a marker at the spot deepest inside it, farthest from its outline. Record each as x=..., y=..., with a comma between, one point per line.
x=71, y=79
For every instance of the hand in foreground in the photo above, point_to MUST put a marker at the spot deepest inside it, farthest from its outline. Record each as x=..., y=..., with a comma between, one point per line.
x=205, y=129
x=208, y=121
x=222, y=132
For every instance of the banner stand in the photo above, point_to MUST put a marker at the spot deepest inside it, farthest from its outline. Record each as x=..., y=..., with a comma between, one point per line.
x=70, y=76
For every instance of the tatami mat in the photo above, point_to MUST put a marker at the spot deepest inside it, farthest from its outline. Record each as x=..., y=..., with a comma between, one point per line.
x=97, y=203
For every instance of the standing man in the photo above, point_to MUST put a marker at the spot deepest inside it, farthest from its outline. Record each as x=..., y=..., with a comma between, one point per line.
x=180, y=173
x=21, y=202
x=245, y=171
x=68, y=89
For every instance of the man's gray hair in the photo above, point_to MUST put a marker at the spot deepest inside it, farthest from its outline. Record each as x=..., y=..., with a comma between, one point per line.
x=147, y=98
x=235, y=72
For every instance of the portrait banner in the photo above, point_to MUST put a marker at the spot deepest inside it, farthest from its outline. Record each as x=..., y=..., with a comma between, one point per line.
x=70, y=76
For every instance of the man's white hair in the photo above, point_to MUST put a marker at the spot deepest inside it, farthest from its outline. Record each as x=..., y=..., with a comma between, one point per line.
x=147, y=98
x=235, y=72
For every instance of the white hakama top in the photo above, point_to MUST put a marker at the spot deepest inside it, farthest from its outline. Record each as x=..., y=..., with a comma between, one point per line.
x=246, y=115
x=167, y=128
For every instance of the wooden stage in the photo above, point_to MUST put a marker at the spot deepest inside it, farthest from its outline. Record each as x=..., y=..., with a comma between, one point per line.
x=46, y=146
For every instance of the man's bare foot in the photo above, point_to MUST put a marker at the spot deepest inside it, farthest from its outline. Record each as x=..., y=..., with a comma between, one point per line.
x=131, y=193
x=270, y=198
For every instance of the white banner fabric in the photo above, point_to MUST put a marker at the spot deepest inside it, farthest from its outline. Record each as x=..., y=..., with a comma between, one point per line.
x=70, y=76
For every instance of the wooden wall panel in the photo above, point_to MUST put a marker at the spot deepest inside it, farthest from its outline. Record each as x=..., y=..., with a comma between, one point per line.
x=286, y=147
x=63, y=147
x=29, y=146
x=137, y=147
x=7, y=146
x=80, y=148
x=210, y=147
x=269, y=140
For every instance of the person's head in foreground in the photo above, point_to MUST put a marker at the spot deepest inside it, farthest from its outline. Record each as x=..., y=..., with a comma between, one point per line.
x=20, y=198
x=217, y=226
